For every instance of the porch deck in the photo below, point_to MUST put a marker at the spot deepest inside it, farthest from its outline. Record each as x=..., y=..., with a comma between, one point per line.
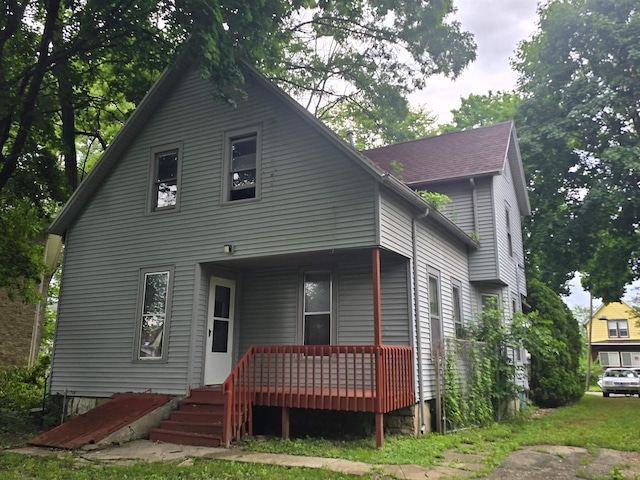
x=360, y=378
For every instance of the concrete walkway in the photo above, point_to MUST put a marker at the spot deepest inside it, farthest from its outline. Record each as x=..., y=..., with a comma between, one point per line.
x=454, y=465
x=529, y=463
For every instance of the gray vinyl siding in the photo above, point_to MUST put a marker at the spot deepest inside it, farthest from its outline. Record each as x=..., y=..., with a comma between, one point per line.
x=483, y=265
x=395, y=225
x=460, y=208
x=510, y=268
x=312, y=198
x=271, y=314
x=355, y=304
x=269, y=308
x=437, y=252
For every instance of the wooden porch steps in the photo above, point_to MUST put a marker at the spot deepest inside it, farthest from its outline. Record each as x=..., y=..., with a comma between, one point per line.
x=198, y=420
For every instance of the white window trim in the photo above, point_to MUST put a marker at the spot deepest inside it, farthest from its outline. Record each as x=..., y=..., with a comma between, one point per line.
x=170, y=269
x=153, y=168
x=432, y=273
x=228, y=137
x=332, y=305
x=456, y=284
x=618, y=320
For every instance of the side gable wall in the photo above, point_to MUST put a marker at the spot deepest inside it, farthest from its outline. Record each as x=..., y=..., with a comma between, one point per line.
x=462, y=211
x=312, y=198
x=439, y=254
x=510, y=266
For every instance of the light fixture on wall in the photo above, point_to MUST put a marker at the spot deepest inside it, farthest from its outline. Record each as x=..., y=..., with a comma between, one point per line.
x=228, y=248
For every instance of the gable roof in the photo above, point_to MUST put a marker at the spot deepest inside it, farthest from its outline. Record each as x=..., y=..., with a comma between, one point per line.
x=155, y=97
x=458, y=155
x=604, y=306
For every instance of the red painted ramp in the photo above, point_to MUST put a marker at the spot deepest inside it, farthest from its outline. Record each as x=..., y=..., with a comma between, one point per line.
x=96, y=424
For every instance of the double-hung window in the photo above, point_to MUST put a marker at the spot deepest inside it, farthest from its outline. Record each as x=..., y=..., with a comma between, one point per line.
x=509, y=238
x=457, y=310
x=317, y=308
x=242, y=164
x=434, y=311
x=618, y=329
x=154, y=311
x=165, y=178
x=489, y=301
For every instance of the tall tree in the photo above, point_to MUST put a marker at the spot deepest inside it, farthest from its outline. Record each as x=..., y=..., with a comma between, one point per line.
x=478, y=110
x=71, y=70
x=580, y=79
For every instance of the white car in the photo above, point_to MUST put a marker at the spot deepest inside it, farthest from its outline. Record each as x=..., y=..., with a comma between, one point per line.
x=620, y=380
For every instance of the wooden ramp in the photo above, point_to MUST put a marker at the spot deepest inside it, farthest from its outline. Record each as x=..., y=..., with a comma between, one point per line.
x=96, y=424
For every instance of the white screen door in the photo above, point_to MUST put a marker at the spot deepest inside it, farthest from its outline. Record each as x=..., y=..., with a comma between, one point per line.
x=219, y=332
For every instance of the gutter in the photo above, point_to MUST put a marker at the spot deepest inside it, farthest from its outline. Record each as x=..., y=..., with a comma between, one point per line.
x=416, y=300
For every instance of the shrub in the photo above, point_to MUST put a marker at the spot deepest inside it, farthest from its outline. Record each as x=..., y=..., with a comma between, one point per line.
x=555, y=379
x=22, y=389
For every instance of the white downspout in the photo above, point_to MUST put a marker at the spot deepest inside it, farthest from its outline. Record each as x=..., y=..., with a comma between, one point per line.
x=416, y=299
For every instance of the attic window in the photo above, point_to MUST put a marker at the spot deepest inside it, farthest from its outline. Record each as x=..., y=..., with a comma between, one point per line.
x=165, y=178
x=618, y=329
x=242, y=165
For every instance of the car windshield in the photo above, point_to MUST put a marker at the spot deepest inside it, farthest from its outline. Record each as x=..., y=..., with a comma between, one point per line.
x=620, y=373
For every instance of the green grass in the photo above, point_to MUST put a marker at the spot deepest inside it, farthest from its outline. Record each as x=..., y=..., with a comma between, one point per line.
x=594, y=422
x=70, y=467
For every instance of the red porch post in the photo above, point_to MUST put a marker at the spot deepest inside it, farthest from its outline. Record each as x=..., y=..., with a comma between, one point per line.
x=377, y=330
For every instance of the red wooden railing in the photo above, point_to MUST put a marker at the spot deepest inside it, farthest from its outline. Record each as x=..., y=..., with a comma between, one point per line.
x=238, y=400
x=330, y=377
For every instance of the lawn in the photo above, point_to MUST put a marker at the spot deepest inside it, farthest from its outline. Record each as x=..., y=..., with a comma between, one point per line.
x=594, y=422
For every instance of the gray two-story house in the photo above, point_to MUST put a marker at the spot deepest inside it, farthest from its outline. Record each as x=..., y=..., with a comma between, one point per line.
x=248, y=247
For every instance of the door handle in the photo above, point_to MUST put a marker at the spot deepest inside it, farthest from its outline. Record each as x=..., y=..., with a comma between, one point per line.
x=209, y=332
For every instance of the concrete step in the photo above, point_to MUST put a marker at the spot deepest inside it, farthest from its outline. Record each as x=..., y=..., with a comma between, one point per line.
x=206, y=428
x=185, y=438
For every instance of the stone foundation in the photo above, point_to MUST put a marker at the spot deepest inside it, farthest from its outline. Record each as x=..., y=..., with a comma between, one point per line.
x=406, y=421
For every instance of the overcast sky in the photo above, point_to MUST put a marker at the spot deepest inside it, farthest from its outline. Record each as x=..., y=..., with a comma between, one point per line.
x=499, y=26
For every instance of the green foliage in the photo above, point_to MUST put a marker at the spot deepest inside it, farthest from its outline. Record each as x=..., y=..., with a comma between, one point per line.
x=455, y=406
x=396, y=169
x=72, y=72
x=16, y=466
x=580, y=140
x=439, y=201
x=23, y=262
x=22, y=388
x=481, y=110
x=591, y=423
x=498, y=374
x=555, y=359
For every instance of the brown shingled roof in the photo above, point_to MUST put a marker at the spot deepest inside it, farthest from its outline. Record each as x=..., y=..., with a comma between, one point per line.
x=451, y=155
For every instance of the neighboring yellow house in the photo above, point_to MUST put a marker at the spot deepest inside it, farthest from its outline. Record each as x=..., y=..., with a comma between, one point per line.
x=615, y=338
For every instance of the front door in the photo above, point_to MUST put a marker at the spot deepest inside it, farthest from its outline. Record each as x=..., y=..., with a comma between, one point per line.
x=218, y=357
